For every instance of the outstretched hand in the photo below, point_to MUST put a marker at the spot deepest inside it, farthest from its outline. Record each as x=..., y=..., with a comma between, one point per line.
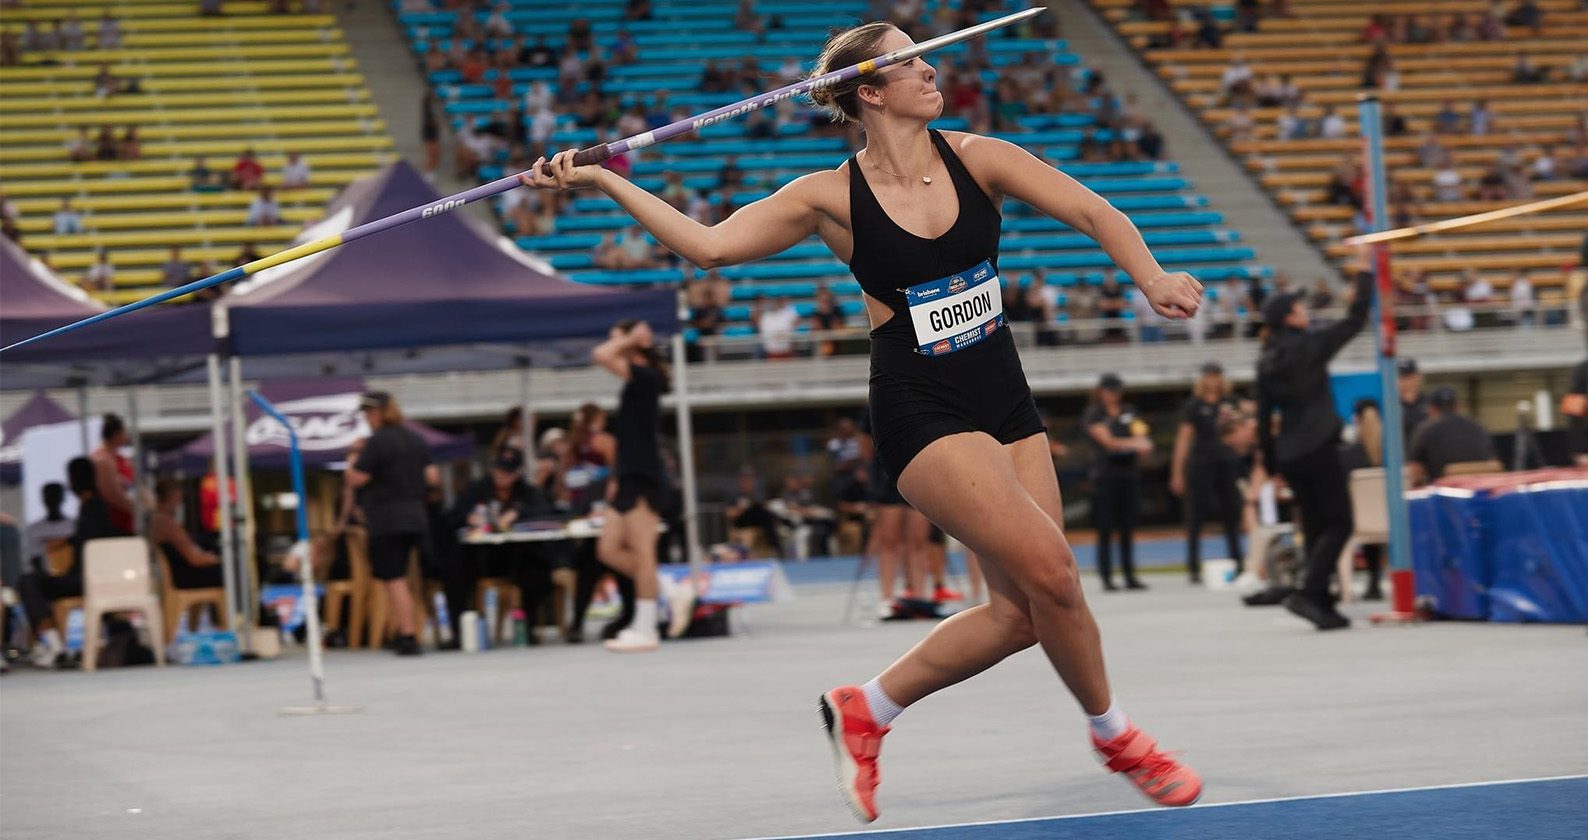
x=1173, y=294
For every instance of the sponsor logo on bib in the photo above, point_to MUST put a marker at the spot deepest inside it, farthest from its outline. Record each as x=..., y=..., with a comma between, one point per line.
x=957, y=311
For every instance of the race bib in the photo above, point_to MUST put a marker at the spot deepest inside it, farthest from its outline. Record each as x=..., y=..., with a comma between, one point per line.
x=956, y=311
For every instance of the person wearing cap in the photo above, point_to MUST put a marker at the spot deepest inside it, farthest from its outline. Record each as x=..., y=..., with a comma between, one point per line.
x=1120, y=437
x=493, y=503
x=1414, y=404
x=1204, y=470
x=391, y=474
x=1293, y=380
x=1446, y=438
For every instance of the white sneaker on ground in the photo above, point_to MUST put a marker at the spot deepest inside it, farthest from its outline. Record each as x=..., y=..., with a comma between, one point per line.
x=46, y=655
x=680, y=607
x=633, y=640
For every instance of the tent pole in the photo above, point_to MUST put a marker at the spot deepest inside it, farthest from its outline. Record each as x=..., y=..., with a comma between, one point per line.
x=82, y=415
x=138, y=477
x=223, y=488
x=686, y=439
x=526, y=418
x=247, y=583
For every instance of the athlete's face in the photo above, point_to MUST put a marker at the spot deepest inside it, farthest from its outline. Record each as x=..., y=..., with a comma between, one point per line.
x=911, y=86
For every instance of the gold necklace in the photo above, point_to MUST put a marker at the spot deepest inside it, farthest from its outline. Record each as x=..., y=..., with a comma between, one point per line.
x=925, y=179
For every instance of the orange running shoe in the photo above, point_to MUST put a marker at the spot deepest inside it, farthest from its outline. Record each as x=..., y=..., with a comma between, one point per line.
x=856, y=741
x=943, y=595
x=1155, y=773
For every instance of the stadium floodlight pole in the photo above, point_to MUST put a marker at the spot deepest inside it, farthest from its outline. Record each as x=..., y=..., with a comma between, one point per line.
x=1403, y=606
x=584, y=157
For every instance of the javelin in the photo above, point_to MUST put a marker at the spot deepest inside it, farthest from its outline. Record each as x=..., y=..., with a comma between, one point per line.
x=584, y=157
x=1397, y=234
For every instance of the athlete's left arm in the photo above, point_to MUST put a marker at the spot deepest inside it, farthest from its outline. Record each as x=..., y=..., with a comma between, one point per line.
x=1013, y=171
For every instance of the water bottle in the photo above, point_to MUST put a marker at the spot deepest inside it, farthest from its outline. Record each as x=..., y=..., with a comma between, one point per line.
x=520, y=629
x=469, y=628
x=483, y=631
x=490, y=614
x=443, y=618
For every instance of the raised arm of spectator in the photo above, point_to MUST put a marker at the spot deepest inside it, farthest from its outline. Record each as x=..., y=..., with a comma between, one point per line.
x=1325, y=342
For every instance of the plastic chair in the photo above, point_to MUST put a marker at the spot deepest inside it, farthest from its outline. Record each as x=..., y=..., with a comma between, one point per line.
x=181, y=601
x=1370, y=518
x=116, y=578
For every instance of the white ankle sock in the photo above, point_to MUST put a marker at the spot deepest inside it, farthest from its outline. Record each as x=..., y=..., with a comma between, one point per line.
x=883, y=709
x=645, y=615
x=1110, y=724
x=52, y=639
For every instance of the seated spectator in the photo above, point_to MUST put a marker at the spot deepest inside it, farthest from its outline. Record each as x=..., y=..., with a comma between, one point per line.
x=812, y=525
x=10, y=50
x=1376, y=31
x=777, y=322
x=1524, y=303
x=1476, y=288
x=1240, y=125
x=1236, y=81
x=1448, y=183
x=71, y=33
x=67, y=219
x=1525, y=72
x=1461, y=29
x=41, y=589
x=1445, y=438
x=191, y=566
x=497, y=25
x=1394, y=123
x=1430, y=151
x=749, y=512
x=1111, y=305
x=295, y=172
x=105, y=145
x=638, y=250
x=1149, y=143
x=826, y=317
x=109, y=32
x=1490, y=27
x=81, y=147
x=130, y=147
x=101, y=276
x=637, y=10
x=176, y=271
x=36, y=39
x=1448, y=119
x=201, y=177
x=8, y=209
x=1331, y=125
x=1290, y=125
x=1209, y=35
x=247, y=172
x=1481, y=120
x=1526, y=14
x=263, y=211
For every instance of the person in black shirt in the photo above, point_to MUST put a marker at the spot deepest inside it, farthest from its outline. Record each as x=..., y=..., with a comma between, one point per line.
x=628, y=536
x=1120, y=438
x=1204, y=470
x=1446, y=438
x=1414, y=404
x=39, y=589
x=1293, y=380
x=1111, y=306
x=392, y=473
x=494, y=503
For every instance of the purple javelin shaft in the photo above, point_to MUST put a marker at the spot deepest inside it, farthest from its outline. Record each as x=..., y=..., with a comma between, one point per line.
x=584, y=157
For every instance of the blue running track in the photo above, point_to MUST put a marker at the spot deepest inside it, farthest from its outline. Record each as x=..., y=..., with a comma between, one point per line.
x=1541, y=809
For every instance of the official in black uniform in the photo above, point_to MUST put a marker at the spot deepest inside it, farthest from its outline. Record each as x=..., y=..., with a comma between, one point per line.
x=1293, y=381
x=1119, y=436
x=1204, y=471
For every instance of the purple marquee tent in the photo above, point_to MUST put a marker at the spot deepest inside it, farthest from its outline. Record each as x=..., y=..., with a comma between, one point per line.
x=39, y=410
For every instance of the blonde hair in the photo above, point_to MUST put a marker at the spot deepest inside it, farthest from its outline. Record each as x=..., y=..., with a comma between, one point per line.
x=845, y=48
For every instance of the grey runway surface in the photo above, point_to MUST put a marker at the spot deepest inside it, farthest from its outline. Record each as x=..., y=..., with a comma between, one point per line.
x=719, y=738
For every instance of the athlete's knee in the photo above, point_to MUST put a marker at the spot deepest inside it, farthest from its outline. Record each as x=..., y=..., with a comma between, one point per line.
x=1048, y=575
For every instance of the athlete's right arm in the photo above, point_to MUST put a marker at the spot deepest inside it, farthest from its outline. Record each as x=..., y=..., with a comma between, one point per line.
x=759, y=229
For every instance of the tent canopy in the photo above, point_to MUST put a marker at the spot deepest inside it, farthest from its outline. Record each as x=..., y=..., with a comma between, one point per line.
x=39, y=410
x=445, y=280
x=34, y=299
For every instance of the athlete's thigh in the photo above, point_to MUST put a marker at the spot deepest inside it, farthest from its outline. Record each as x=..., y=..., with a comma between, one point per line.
x=639, y=526
x=1033, y=462
x=968, y=485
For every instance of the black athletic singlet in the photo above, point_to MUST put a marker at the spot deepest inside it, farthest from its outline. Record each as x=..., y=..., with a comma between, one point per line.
x=926, y=386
